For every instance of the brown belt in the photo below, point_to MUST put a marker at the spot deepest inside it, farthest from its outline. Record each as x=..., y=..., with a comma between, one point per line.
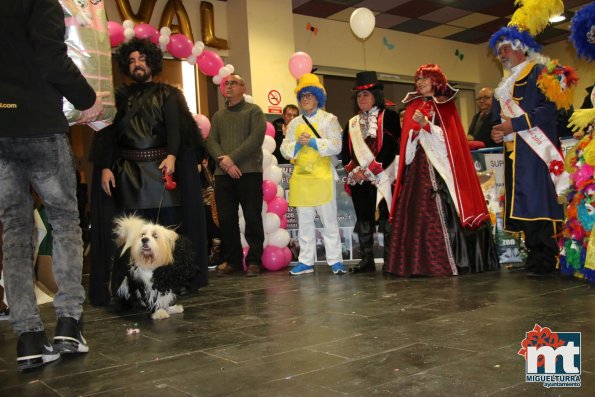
x=144, y=155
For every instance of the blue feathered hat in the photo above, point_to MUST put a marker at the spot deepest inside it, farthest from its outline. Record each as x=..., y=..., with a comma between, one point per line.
x=518, y=39
x=582, y=32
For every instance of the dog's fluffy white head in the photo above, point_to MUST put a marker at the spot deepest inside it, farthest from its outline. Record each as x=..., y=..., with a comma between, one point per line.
x=150, y=245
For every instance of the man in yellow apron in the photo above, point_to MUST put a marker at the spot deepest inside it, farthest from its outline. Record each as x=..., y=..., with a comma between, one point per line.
x=311, y=143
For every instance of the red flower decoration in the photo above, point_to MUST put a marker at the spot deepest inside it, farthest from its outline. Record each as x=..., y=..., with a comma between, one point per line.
x=539, y=337
x=556, y=167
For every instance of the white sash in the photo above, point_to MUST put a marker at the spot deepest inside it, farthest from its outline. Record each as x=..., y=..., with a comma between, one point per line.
x=365, y=157
x=539, y=142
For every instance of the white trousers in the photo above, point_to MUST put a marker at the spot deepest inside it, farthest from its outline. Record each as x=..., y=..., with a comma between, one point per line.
x=330, y=232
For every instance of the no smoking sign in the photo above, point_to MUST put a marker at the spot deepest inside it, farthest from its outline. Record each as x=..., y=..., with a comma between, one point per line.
x=274, y=97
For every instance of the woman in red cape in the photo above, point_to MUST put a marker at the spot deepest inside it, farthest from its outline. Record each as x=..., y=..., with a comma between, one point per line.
x=440, y=221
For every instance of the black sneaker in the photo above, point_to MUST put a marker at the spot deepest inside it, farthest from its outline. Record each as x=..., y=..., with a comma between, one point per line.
x=34, y=350
x=69, y=336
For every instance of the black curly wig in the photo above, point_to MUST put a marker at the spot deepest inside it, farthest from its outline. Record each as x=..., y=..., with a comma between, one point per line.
x=151, y=51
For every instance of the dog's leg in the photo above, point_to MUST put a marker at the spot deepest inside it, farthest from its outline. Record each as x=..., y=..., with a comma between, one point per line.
x=175, y=309
x=160, y=314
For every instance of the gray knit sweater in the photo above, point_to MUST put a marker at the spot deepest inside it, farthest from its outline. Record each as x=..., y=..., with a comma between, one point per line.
x=238, y=131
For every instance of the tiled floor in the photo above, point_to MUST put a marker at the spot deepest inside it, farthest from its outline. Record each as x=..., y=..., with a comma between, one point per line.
x=322, y=335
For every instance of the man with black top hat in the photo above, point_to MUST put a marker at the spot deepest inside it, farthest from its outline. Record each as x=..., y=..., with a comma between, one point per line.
x=370, y=144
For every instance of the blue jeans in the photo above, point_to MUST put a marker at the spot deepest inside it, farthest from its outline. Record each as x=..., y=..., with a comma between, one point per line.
x=46, y=163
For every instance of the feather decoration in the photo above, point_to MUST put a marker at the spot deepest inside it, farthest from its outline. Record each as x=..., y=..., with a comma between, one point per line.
x=513, y=33
x=534, y=15
x=557, y=83
x=582, y=32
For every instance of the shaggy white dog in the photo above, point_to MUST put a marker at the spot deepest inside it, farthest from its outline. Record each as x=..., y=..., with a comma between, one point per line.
x=154, y=262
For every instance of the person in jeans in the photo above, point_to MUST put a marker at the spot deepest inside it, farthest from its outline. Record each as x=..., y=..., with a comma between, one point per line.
x=35, y=151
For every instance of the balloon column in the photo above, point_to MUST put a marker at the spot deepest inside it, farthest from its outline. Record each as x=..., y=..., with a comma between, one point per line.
x=276, y=254
x=178, y=45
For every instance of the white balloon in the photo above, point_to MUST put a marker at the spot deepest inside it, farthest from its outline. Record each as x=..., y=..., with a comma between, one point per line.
x=265, y=208
x=198, y=48
x=217, y=79
x=267, y=158
x=279, y=238
x=240, y=212
x=165, y=31
x=128, y=24
x=243, y=240
x=271, y=222
x=164, y=40
x=248, y=98
x=242, y=222
x=280, y=192
x=230, y=67
x=224, y=72
x=273, y=173
x=265, y=242
x=362, y=22
x=275, y=161
x=191, y=59
x=269, y=144
x=129, y=33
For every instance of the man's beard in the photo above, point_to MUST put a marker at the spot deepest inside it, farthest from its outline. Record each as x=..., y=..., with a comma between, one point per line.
x=140, y=77
x=506, y=64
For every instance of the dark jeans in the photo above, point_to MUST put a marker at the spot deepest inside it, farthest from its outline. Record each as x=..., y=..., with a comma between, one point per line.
x=229, y=195
x=48, y=165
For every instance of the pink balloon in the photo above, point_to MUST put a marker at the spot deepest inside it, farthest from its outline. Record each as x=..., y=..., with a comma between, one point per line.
x=278, y=206
x=288, y=254
x=270, y=131
x=209, y=62
x=204, y=124
x=116, y=33
x=222, y=85
x=273, y=258
x=179, y=46
x=299, y=64
x=283, y=224
x=269, y=190
x=146, y=31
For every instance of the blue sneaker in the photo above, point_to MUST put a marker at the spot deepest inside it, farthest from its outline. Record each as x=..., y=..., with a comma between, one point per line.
x=338, y=268
x=300, y=268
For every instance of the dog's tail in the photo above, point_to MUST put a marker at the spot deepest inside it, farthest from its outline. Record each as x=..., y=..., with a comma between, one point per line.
x=127, y=230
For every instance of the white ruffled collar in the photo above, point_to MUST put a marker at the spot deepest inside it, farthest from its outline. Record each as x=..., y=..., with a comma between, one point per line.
x=369, y=122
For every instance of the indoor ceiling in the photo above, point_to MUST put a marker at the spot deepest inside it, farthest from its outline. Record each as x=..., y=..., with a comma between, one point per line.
x=467, y=21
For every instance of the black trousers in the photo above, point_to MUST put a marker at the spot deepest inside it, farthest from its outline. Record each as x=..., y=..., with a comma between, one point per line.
x=229, y=195
x=364, y=203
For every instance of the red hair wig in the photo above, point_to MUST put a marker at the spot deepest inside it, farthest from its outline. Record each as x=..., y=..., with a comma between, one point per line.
x=435, y=74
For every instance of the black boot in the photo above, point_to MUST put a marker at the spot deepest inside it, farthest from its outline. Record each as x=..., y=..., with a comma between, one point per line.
x=365, y=233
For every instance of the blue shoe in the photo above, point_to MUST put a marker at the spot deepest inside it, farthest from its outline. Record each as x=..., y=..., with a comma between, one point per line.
x=338, y=268
x=300, y=268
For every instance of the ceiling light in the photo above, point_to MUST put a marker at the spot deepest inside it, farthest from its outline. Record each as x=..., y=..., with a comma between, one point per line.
x=557, y=18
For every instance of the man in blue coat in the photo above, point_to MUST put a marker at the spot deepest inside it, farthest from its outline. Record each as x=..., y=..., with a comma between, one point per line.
x=525, y=120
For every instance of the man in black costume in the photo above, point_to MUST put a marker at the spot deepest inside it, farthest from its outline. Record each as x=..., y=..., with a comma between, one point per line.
x=153, y=134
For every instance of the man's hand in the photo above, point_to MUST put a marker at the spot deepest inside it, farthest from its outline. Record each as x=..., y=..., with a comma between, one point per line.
x=225, y=162
x=169, y=163
x=107, y=180
x=94, y=111
x=234, y=172
x=499, y=131
x=359, y=176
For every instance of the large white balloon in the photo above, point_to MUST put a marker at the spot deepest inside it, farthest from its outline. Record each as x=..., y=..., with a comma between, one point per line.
x=280, y=192
x=265, y=208
x=269, y=143
x=362, y=22
x=279, y=238
x=274, y=161
x=271, y=222
x=267, y=159
x=273, y=173
x=265, y=242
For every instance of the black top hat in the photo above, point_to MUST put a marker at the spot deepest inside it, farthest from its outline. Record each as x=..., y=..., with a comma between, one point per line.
x=366, y=81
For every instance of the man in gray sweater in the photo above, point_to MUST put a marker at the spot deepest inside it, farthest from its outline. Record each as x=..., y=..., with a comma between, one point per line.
x=235, y=141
